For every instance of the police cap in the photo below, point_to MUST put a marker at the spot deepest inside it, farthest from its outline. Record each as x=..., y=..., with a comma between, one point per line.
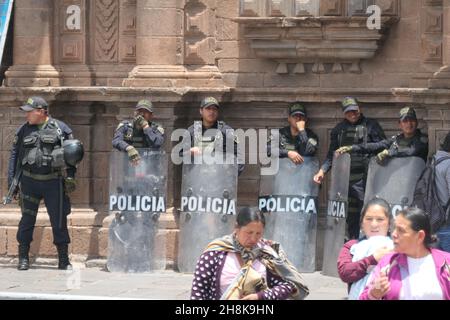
x=144, y=104
x=349, y=104
x=297, y=108
x=34, y=103
x=407, y=113
x=209, y=101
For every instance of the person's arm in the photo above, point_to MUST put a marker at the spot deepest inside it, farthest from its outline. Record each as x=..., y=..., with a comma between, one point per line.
x=278, y=148
x=307, y=143
x=334, y=145
x=118, y=139
x=14, y=156
x=378, y=284
x=279, y=289
x=447, y=179
x=203, y=282
x=372, y=147
x=154, y=136
x=352, y=271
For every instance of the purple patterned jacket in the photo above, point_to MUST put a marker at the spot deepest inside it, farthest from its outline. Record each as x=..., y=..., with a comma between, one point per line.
x=206, y=283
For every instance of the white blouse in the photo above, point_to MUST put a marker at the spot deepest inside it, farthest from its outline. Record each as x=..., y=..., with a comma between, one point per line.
x=232, y=268
x=422, y=283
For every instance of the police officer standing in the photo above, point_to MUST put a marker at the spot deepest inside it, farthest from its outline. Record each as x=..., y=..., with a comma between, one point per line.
x=296, y=141
x=141, y=132
x=411, y=142
x=212, y=133
x=38, y=153
x=354, y=129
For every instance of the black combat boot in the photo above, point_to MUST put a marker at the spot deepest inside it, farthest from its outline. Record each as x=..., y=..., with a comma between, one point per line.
x=63, y=257
x=24, y=261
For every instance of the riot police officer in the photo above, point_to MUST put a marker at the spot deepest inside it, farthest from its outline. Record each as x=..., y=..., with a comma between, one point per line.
x=141, y=132
x=39, y=154
x=212, y=133
x=354, y=129
x=296, y=141
x=411, y=142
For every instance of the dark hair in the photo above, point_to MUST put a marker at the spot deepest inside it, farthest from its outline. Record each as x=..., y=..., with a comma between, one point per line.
x=247, y=215
x=386, y=209
x=419, y=221
x=377, y=202
x=445, y=146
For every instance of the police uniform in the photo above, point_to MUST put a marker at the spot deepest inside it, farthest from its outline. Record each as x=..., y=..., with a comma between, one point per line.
x=37, y=151
x=364, y=131
x=215, y=138
x=130, y=133
x=306, y=143
x=399, y=145
x=127, y=134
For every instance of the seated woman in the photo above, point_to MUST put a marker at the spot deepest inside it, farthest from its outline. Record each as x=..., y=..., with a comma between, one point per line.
x=358, y=258
x=415, y=271
x=245, y=266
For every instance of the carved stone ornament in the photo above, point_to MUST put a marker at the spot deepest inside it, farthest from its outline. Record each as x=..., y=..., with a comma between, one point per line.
x=327, y=42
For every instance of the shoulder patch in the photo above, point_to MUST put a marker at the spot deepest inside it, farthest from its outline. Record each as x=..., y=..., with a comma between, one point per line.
x=158, y=127
x=123, y=124
x=120, y=126
x=64, y=127
x=16, y=139
x=312, y=141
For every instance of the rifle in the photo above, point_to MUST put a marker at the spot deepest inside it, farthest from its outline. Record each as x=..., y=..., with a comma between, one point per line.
x=13, y=188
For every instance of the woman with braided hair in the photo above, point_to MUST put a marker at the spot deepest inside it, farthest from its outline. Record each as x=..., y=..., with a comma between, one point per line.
x=245, y=266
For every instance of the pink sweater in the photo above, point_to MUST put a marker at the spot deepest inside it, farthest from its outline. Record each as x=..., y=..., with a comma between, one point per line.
x=399, y=262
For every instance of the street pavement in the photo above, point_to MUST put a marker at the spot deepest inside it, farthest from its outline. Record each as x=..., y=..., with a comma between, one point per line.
x=45, y=281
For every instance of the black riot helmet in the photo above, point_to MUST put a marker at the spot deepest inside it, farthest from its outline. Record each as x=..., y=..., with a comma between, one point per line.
x=73, y=152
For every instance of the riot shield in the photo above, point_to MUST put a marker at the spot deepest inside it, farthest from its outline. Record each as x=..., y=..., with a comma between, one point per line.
x=208, y=208
x=394, y=182
x=336, y=214
x=137, y=196
x=290, y=199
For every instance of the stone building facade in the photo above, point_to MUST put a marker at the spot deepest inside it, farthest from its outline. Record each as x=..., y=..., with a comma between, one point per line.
x=92, y=60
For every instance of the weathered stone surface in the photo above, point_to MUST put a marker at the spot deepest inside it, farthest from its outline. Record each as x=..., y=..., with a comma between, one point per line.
x=85, y=240
x=3, y=241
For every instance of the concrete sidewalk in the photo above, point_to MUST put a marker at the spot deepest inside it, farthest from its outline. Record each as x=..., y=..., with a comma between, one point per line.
x=47, y=282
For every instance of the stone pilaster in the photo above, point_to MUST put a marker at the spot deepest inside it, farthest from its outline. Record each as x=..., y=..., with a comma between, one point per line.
x=70, y=39
x=441, y=79
x=33, y=63
x=175, y=44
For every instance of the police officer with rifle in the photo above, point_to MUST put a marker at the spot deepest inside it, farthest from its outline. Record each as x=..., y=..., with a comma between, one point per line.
x=42, y=165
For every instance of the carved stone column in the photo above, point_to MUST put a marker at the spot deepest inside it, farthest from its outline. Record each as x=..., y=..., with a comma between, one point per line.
x=33, y=53
x=158, y=43
x=175, y=44
x=441, y=79
x=70, y=43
